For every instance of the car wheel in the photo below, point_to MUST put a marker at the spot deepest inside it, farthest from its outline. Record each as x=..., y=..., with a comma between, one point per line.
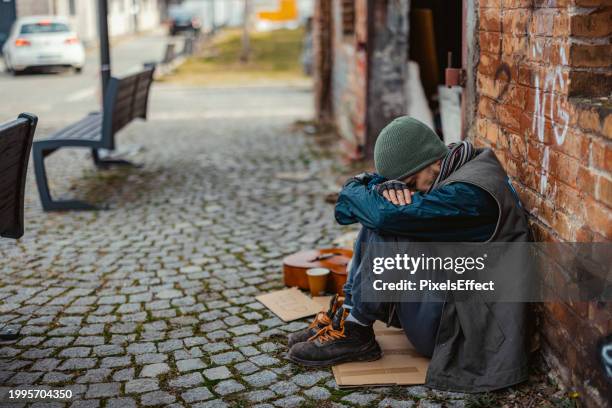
x=78, y=70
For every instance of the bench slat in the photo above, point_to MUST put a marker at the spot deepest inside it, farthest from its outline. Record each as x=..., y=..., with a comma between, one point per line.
x=88, y=128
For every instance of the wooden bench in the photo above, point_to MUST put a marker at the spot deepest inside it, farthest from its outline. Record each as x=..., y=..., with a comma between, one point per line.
x=126, y=99
x=15, y=143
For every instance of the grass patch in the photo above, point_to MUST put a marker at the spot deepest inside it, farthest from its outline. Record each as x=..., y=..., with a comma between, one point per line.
x=275, y=55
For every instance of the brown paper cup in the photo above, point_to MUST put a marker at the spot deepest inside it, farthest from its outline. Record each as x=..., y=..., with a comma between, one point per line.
x=317, y=280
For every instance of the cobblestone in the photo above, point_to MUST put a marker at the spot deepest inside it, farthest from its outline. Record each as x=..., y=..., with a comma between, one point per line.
x=217, y=373
x=163, y=285
x=228, y=387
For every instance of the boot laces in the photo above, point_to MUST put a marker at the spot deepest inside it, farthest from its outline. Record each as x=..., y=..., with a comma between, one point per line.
x=321, y=319
x=329, y=333
x=324, y=318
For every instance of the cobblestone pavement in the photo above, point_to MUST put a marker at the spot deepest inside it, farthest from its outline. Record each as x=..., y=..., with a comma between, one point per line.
x=152, y=303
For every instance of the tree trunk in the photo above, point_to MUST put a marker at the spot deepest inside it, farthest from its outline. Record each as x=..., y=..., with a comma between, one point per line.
x=246, y=38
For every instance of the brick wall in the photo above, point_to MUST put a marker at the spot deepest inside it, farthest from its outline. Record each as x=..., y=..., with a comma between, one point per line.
x=349, y=74
x=543, y=89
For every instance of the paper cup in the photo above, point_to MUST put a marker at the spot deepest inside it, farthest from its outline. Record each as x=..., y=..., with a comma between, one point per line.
x=317, y=280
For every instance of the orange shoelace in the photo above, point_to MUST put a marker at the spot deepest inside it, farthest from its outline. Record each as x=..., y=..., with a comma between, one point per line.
x=320, y=319
x=328, y=333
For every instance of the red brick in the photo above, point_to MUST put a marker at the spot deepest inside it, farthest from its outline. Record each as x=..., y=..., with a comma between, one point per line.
x=591, y=55
x=561, y=25
x=486, y=107
x=490, y=3
x=490, y=19
x=535, y=152
x=512, y=45
x=488, y=64
x=540, y=50
x=562, y=225
x=584, y=234
x=576, y=145
x=569, y=199
x=601, y=155
x=594, y=24
x=599, y=316
x=607, y=126
x=518, y=148
x=527, y=75
x=588, y=119
x=510, y=4
x=586, y=180
x=490, y=42
x=509, y=117
x=592, y=3
x=492, y=132
x=604, y=190
x=486, y=86
x=515, y=21
x=542, y=22
x=599, y=218
x=550, y=3
x=564, y=168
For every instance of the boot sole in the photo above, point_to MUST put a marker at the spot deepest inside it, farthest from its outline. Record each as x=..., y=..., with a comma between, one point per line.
x=371, y=354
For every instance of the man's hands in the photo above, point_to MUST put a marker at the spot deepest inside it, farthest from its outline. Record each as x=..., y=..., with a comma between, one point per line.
x=395, y=191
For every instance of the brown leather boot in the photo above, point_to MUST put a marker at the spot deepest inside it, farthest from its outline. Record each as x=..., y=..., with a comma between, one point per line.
x=321, y=320
x=333, y=345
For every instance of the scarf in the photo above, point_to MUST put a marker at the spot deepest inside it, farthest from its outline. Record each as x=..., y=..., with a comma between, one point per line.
x=458, y=155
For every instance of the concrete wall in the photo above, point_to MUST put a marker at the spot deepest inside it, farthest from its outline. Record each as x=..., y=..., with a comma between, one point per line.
x=34, y=7
x=85, y=19
x=539, y=109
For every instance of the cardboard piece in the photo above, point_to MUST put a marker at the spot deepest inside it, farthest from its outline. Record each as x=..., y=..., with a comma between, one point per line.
x=290, y=304
x=399, y=365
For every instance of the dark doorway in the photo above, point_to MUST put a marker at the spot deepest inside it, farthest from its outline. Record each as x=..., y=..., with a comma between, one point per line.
x=436, y=34
x=8, y=15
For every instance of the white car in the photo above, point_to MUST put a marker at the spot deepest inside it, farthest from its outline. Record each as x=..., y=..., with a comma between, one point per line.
x=42, y=41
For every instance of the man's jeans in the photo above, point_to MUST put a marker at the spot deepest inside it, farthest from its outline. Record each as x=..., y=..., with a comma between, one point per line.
x=418, y=320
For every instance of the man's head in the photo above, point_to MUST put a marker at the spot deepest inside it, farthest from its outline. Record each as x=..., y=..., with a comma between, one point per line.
x=408, y=150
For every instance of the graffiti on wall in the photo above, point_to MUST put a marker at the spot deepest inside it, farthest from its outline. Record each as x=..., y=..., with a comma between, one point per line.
x=605, y=354
x=548, y=103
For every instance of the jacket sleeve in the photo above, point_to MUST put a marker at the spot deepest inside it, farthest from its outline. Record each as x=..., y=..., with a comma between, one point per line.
x=455, y=212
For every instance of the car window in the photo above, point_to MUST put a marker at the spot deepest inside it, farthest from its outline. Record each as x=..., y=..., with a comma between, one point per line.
x=44, y=27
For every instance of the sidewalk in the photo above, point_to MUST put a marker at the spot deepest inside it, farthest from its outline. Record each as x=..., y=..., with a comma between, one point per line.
x=152, y=303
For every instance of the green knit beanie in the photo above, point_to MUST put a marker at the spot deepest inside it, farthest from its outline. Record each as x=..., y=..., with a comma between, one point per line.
x=404, y=147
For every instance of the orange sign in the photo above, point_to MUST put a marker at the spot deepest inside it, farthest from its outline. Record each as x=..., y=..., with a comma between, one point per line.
x=287, y=11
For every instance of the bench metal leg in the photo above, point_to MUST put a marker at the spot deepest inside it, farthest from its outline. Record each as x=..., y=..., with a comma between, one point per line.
x=106, y=163
x=48, y=204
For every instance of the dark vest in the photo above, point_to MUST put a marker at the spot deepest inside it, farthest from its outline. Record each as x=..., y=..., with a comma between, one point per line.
x=482, y=346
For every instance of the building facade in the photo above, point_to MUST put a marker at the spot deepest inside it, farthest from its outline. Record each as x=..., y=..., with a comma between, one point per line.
x=535, y=82
x=124, y=16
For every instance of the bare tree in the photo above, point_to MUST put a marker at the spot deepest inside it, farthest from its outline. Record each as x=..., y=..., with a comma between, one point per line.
x=246, y=37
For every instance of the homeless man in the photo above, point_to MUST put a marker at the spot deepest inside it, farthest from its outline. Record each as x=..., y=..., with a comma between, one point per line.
x=426, y=191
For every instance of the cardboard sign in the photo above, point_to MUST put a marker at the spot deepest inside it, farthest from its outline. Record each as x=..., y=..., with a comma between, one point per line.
x=399, y=365
x=290, y=304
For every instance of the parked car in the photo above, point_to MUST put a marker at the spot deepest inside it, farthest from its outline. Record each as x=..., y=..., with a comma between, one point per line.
x=42, y=41
x=183, y=20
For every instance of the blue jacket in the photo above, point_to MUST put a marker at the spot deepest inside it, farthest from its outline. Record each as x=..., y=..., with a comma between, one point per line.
x=457, y=212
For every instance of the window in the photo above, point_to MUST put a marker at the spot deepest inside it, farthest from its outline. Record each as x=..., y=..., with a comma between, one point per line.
x=348, y=17
x=44, y=27
x=72, y=7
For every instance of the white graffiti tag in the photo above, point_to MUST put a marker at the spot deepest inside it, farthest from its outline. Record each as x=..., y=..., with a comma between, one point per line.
x=552, y=81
